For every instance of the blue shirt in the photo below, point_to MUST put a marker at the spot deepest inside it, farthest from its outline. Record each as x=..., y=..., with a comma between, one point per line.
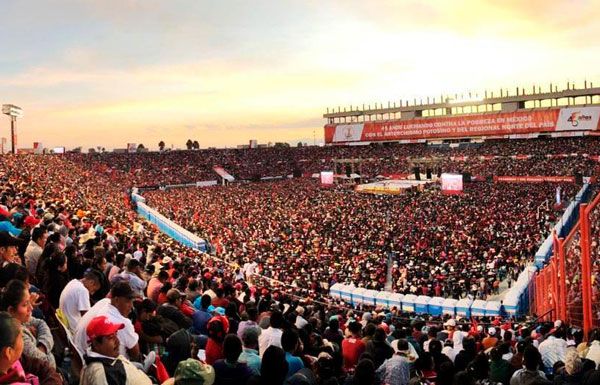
x=200, y=319
x=294, y=364
x=252, y=359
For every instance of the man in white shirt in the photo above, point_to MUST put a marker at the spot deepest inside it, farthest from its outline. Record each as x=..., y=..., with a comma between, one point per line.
x=272, y=335
x=116, y=309
x=75, y=298
x=554, y=348
x=133, y=274
x=35, y=248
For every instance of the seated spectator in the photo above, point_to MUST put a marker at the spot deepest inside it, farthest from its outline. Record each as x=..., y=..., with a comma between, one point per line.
x=530, y=374
x=272, y=335
x=156, y=283
x=75, y=298
x=133, y=274
x=289, y=344
x=192, y=372
x=170, y=309
x=378, y=348
x=500, y=369
x=37, y=337
x=218, y=326
x=250, y=349
x=273, y=368
x=116, y=309
x=35, y=248
x=104, y=364
x=8, y=248
x=352, y=346
x=16, y=368
x=230, y=371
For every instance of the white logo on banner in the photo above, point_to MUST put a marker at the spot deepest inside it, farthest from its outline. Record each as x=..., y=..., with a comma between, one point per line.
x=584, y=118
x=348, y=132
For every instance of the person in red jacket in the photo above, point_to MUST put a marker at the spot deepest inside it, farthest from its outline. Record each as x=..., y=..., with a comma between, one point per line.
x=218, y=326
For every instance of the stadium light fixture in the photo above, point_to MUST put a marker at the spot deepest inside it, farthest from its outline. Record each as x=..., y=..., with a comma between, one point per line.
x=14, y=112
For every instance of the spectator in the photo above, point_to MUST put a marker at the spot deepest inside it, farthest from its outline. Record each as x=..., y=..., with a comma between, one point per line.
x=272, y=335
x=35, y=248
x=352, y=346
x=170, y=309
x=116, y=309
x=192, y=371
x=396, y=369
x=75, y=298
x=230, y=371
x=156, y=283
x=218, y=327
x=8, y=248
x=530, y=374
x=273, y=368
x=289, y=343
x=16, y=368
x=105, y=366
x=250, y=351
x=378, y=348
x=37, y=338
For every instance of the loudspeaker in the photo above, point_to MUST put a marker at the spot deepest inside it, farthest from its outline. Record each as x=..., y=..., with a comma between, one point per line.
x=417, y=172
x=466, y=177
x=428, y=173
x=578, y=178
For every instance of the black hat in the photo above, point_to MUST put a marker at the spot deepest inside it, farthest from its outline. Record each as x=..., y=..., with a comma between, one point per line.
x=8, y=240
x=122, y=289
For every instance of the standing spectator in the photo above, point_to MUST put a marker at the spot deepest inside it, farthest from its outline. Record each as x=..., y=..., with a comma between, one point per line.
x=395, y=370
x=500, y=369
x=201, y=317
x=378, y=348
x=75, y=298
x=252, y=315
x=273, y=368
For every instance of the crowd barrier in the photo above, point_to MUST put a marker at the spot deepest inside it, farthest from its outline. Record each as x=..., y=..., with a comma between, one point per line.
x=167, y=226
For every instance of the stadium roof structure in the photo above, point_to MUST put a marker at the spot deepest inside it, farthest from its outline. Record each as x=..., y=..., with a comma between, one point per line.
x=568, y=112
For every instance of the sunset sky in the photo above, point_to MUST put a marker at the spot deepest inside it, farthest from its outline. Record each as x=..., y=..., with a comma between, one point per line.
x=107, y=72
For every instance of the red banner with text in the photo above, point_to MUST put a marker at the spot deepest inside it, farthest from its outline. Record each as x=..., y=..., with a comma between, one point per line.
x=489, y=124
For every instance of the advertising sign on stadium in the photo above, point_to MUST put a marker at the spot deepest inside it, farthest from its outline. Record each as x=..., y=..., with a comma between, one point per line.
x=326, y=178
x=452, y=183
x=492, y=124
x=534, y=179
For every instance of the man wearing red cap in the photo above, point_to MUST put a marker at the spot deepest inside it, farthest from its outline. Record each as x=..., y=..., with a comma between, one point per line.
x=104, y=364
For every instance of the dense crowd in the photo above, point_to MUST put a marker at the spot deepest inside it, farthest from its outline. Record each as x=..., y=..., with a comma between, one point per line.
x=308, y=237
x=190, y=166
x=93, y=295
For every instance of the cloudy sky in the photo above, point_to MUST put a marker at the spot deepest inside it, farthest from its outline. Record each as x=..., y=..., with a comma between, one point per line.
x=109, y=72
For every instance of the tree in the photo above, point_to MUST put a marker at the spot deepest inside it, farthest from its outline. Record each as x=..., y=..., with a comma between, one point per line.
x=91, y=150
x=196, y=145
x=141, y=148
x=299, y=144
x=189, y=144
x=161, y=145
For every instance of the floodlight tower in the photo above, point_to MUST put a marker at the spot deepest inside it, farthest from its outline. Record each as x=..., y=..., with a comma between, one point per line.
x=14, y=112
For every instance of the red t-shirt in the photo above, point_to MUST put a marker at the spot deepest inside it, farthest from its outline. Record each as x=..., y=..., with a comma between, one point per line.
x=352, y=348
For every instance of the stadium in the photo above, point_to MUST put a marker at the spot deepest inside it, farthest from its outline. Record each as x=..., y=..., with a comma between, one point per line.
x=181, y=204
x=493, y=227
